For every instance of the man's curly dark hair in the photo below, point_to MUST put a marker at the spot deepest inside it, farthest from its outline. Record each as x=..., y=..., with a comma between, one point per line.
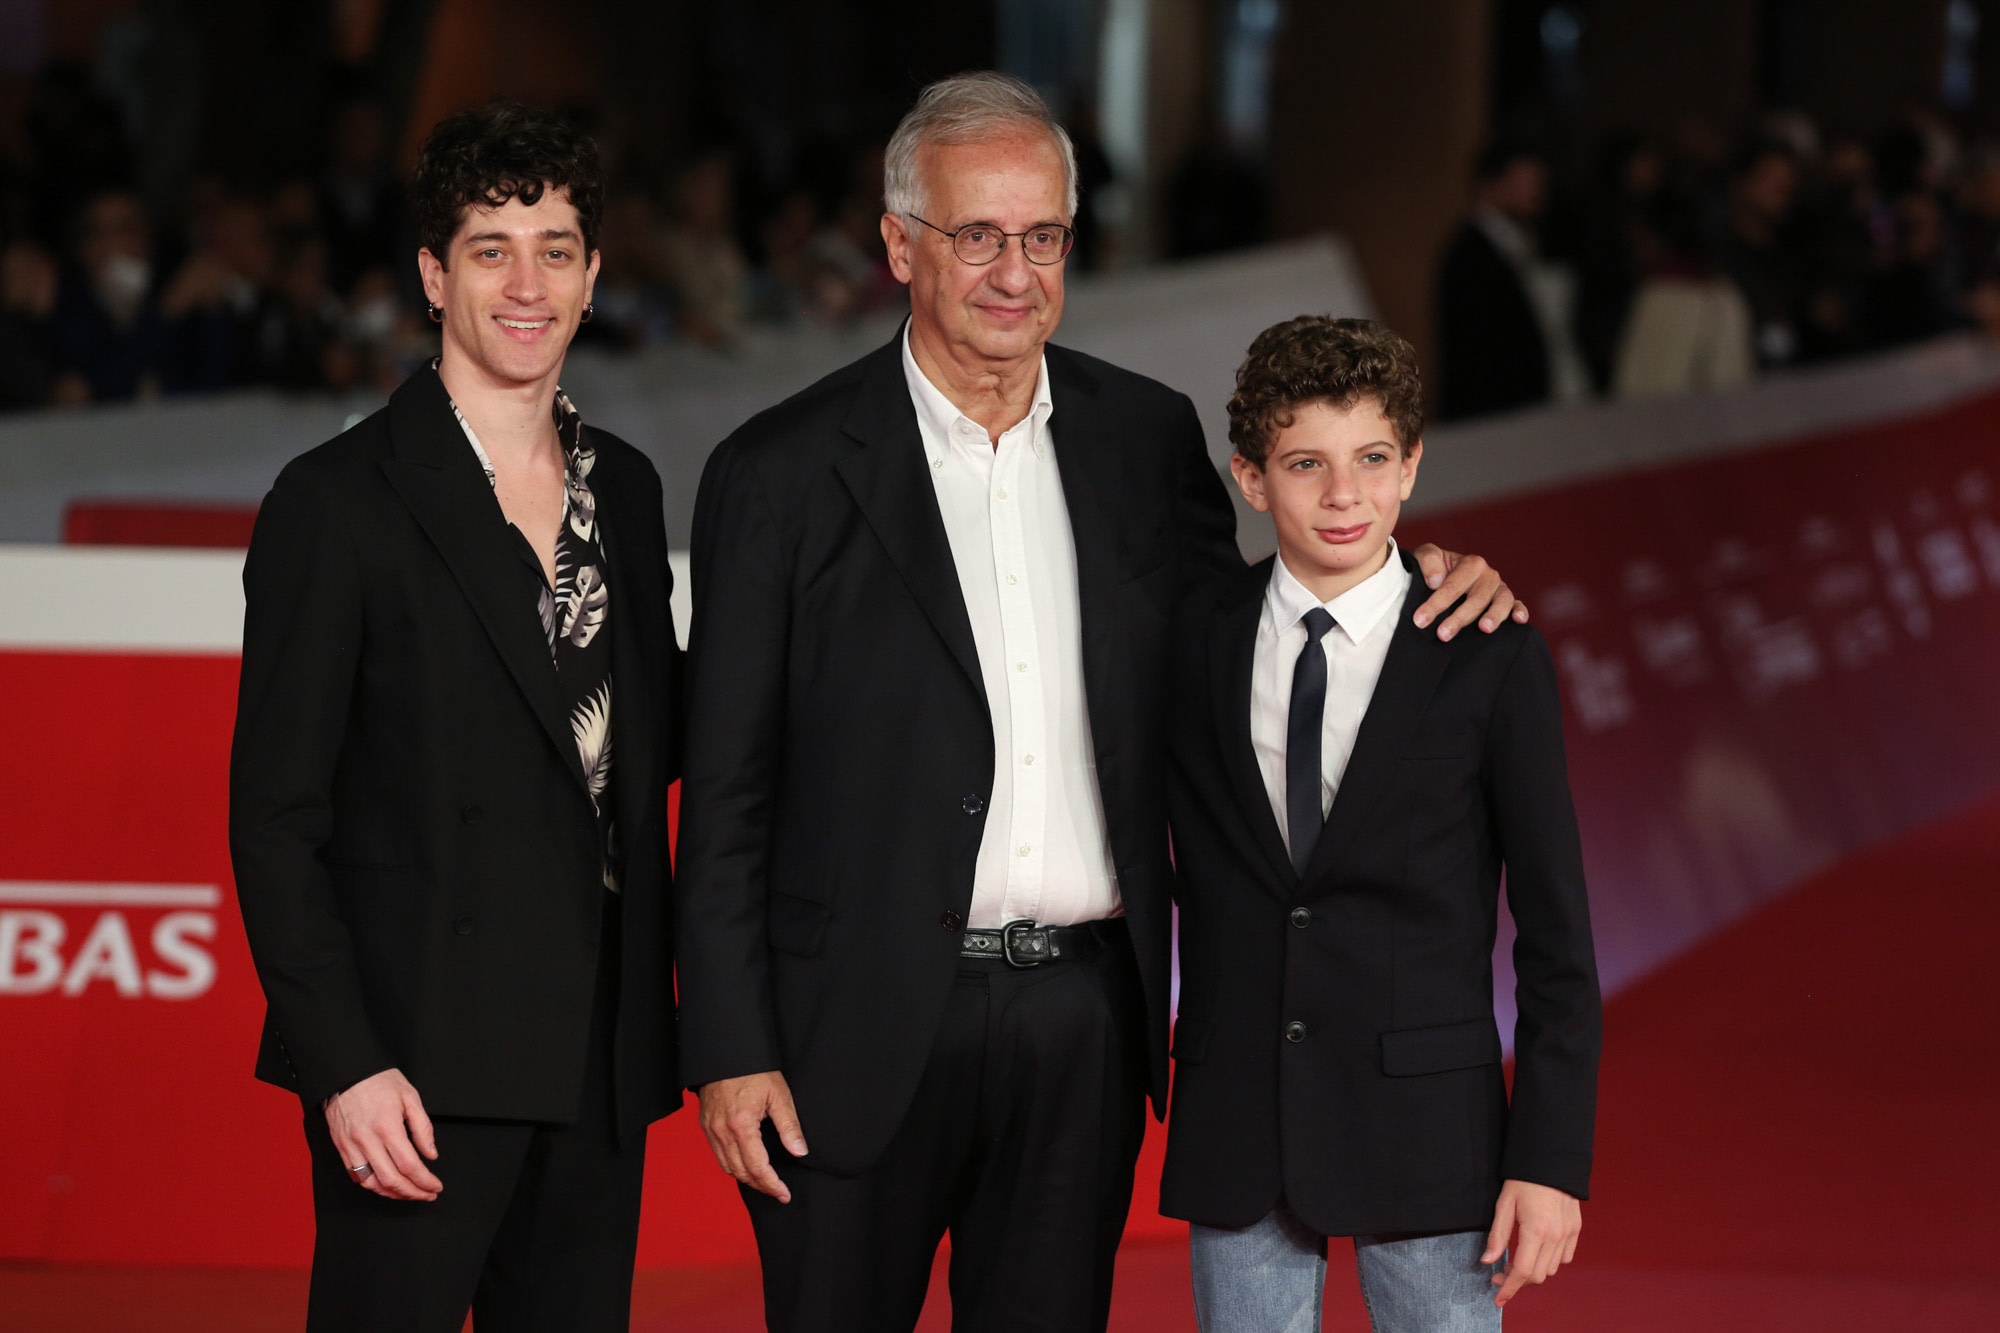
x=1320, y=359
x=503, y=150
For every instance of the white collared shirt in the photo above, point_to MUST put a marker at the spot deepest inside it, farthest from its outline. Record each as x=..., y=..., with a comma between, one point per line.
x=1364, y=623
x=1044, y=854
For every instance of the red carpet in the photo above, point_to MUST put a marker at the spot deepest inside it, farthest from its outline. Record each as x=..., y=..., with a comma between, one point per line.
x=1798, y=1132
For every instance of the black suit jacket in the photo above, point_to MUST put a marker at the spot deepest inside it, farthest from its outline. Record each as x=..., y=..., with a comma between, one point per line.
x=840, y=752
x=416, y=856
x=1491, y=355
x=1390, y=1113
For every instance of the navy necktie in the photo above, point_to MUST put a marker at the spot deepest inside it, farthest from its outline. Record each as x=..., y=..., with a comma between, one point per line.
x=1302, y=736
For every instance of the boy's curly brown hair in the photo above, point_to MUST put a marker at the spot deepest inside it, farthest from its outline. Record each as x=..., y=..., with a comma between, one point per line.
x=1320, y=359
x=503, y=150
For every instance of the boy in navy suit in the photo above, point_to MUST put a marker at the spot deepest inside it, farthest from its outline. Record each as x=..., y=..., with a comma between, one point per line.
x=1345, y=791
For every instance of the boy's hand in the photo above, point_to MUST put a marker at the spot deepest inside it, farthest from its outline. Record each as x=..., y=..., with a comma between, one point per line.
x=1487, y=599
x=1544, y=1223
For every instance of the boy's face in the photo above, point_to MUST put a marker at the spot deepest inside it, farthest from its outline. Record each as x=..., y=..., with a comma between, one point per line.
x=1333, y=483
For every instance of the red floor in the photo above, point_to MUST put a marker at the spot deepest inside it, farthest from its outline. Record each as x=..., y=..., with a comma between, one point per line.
x=1798, y=1132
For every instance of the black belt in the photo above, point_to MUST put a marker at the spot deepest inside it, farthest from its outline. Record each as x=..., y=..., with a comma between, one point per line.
x=1022, y=943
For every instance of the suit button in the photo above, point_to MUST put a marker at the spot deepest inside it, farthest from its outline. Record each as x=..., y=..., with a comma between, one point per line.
x=463, y=925
x=1302, y=917
x=1295, y=1031
x=472, y=814
x=973, y=804
x=952, y=921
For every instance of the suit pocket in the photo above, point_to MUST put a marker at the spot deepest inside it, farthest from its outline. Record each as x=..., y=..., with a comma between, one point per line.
x=798, y=925
x=1190, y=1041
x=1139, y=565
x=382, y=865
x=1434, y=1050
x=1440, y=752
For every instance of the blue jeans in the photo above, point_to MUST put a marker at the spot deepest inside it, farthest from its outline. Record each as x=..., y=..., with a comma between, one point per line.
x=1269, y=1278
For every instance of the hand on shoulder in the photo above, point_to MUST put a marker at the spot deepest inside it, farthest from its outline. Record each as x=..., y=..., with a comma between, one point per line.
x=1487, y=598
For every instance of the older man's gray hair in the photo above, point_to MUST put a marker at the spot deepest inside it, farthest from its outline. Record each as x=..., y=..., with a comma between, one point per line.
x=969, y=108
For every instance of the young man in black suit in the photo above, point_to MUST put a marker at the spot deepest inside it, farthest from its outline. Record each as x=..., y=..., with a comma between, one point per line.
x=924, y=882
x=1345, y=792
x=448, y=788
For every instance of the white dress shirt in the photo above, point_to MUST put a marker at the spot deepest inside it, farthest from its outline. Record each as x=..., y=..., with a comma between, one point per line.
x=1364, y=622
x=1044, y=854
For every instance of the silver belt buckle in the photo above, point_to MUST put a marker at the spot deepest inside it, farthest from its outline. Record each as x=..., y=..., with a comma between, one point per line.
x=1034, y=947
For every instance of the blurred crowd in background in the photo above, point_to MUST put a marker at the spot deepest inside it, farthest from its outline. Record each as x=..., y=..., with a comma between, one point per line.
x=303, y=278
x=1689, y=261
x=1677, y=262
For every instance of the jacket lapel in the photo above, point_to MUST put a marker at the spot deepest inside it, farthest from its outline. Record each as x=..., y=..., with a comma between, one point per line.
x=641, y=616
x=1232, y=654
x=891, y=484
x=1410, y=673
x=1082, y=449
x=438, y=476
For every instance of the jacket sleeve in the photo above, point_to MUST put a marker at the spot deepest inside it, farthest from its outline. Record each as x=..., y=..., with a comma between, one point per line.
x=302, y=630
x=1551, y=1120
x=736, y=671
x=1206, y=516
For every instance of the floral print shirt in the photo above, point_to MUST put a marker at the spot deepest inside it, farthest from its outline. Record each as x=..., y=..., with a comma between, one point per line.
x=575, y=612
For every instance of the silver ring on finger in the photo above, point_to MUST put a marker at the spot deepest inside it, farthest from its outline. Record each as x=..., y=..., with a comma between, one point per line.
x=361, y=1173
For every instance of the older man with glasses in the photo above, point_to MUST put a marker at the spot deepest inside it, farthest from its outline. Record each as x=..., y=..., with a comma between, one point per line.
x=925, y=891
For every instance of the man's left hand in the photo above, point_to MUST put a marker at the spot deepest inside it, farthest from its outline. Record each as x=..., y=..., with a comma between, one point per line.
x=1487, y=599
x=1543, y=1223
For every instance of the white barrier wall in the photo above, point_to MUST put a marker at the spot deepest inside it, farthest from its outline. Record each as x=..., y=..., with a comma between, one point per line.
x=1186, y=325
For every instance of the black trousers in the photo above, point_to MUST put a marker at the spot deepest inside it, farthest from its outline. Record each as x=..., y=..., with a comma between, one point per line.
x=1020, y=1143
x=535, y=1229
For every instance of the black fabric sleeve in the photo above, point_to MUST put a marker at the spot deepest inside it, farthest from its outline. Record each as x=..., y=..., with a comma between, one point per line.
x=302, y=629
x=736, y=671
x=1559, y=1030
x=1206, y=518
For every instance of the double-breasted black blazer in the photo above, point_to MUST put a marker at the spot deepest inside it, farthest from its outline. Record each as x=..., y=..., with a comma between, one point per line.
x=1385, y=1109
x=417, y=859
x=840, y=752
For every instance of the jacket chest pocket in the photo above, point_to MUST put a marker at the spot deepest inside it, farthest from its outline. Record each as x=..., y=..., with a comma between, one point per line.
x=1145, y=557
x=797, y=925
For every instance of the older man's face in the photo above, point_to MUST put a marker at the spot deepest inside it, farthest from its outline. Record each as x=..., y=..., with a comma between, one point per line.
x=998, y=312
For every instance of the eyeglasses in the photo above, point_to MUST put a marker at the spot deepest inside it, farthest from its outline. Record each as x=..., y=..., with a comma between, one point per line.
x=983, y=242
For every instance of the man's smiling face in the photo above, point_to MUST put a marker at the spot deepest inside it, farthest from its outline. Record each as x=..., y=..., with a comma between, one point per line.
x=999, y=312
x=514, y=293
